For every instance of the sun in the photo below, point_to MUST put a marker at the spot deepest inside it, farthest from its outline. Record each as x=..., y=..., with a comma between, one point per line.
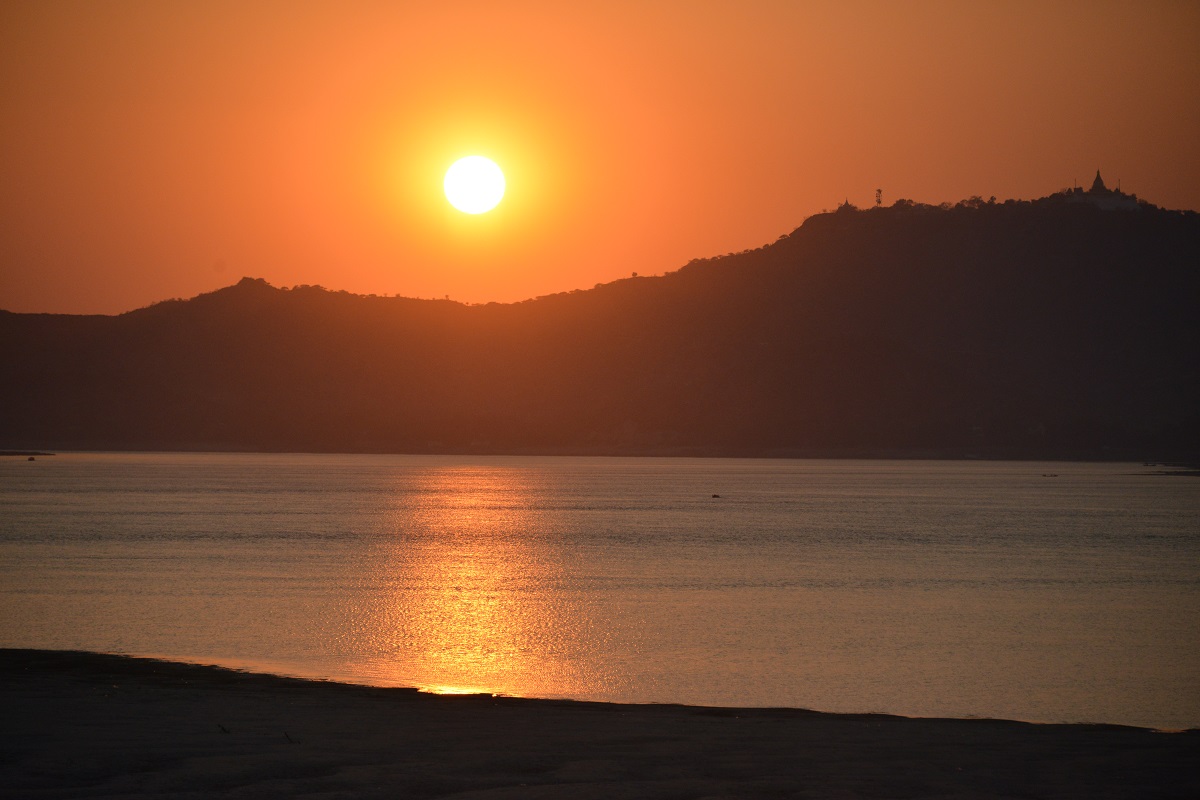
x=474, y=185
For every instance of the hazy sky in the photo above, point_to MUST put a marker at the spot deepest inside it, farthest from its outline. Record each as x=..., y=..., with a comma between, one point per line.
x=160, y=149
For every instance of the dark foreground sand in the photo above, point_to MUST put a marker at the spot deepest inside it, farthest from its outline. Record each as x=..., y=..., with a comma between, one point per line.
x=88, y=725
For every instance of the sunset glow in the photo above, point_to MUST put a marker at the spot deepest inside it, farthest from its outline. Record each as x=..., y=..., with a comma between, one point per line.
x=163, y=150
x=732, y=399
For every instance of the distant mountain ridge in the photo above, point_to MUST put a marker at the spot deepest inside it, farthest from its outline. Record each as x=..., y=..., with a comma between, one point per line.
x=1064, y=327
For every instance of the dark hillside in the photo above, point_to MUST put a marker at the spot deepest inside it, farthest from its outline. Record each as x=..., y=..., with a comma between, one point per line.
x=1053, y=328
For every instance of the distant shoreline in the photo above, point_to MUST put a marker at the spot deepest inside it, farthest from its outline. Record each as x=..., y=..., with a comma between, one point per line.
x=1047, y=329
x=133, y=727
x=1170, y=466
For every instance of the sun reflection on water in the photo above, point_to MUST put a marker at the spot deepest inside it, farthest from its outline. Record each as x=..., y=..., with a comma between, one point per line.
x=472, y=591
x=453, y=690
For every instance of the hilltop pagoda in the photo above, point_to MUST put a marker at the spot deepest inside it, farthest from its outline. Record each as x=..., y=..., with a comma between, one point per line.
x=1102, y=196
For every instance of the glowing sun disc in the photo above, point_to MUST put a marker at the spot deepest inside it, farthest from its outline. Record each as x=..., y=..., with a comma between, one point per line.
x=474, y=184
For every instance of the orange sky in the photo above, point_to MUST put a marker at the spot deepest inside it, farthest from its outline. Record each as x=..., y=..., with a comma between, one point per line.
x=151, y=150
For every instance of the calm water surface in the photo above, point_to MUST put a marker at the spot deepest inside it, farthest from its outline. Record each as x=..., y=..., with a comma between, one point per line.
x=1049, y=592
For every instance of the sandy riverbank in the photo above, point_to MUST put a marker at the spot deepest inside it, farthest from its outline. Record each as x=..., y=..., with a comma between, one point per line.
x=88, y=725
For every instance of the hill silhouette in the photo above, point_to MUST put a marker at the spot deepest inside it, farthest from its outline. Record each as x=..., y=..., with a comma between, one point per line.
x=1061, y=327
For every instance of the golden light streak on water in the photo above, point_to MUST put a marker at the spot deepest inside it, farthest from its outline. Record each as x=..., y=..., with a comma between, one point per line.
x=464, y=607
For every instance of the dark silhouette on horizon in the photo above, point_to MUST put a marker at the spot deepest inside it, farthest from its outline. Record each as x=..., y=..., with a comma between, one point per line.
x=1064, y=327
